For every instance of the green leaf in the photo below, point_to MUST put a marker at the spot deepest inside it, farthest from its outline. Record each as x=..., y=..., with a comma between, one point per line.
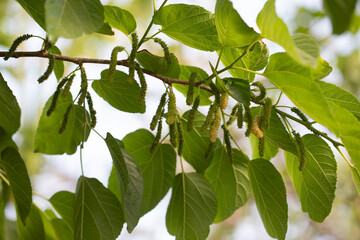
x=106, y=29
x=300, y=47
x=189, y=24
x=98, y=213
x=4, y=198
x=270, y=197
x=356, y=177
x=120, y=19
x=230, y=181
x=196, y=143
x=185, y=72
x=239, y=89
x=341, y=97
x=270, y=150
x=256, y=59
x=315, y=185
x=59, y=65
x=34, y=228
x=119, y=94
x=48, y=140
x=72, y=18
x=129, y=178
x=36, y=9
x=61, y=230
x=16, y=173
x=157, y=168
x=158, y=64
x=192, y=207
x=340, y=13
x=307, y=95
x=63, y=202
x=5, y=140
x=323, y=70
x=232, y=30
x=10, y=110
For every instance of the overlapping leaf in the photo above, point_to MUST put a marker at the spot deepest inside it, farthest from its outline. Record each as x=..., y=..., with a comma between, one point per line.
x=189, y=24
x=72, y=18
x=36, y=9
x=48, y=139
x=34, y=228
x=239, y=89
x=17, y=175
x=232, y=30
x=63, y=202
x=192, y=207
x=5, y=140
x=119, y=94
x=98, y=213
x=10, y=110
x=270, y=197
x=157, y=168
x=120, y=19
x=315, y=185
x=230, y=181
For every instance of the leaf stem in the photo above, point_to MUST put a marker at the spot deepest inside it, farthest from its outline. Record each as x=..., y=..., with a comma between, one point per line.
x=4, y=179
x=343, y=155
x=247, y=70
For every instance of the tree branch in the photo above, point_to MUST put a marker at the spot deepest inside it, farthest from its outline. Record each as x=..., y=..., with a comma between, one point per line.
x=80, y=61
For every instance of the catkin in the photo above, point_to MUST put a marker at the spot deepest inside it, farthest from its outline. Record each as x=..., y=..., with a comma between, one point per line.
x=300, y=114
x=56, y=96
x=261, y=146
x=113, y=61
x=143, y=84
x=228, y=144
x=215, y=124
x=165, y=49
x=83, y=86
x=67, y=87
x=158, y=135
x=171, y=115
x=262, y=94
x=190, y=92
x=48, y=70
x=192, y=114
x=180, y=132
x=92, y=110
x=173, y=134
x=224, y=100
x=209, y=116
x=266, y=114
x=240, y=116
x=135, y=42
x=15, y=44
x=65, y=119
x=232, y=115
x=159, y=110
x=255, y=129
x=300, y=143
x=249, y=120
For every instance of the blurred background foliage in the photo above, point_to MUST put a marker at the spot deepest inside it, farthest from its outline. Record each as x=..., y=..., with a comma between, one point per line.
x=342, y=51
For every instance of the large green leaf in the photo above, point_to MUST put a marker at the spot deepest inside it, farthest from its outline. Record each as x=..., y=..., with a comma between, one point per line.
x=315, y=185
x=340, y=13
x=256, y=59
x=232, y=30
x=239, y=89
x=158, y=64
x=230, y=181
x=157, y=168
x=300, y=47
x=356, y=177
x=270, y=196
x=185, y=72
x=48, y=139
x=72, y=18
x=10, y=110
x=63, y=202
x=341, y=97
x=189, y=24
x=98, y=213
x=196, y=143
x=119, y=94
x=307, y=95
x=130, y=180
x=36, y=9
x=34, y=228
x=16, y=173
x=61, y=230
x=120, y=19
x=5, y=140
x=192, y=207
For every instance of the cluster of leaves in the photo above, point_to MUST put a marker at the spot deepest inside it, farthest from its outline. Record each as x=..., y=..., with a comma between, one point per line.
x=143, y=166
